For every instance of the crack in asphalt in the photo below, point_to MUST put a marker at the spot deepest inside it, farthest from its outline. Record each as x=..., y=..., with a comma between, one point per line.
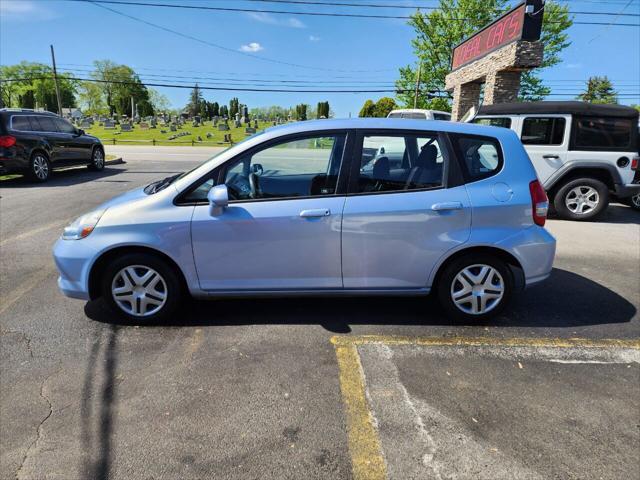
x=39, y=428
x=26, y=338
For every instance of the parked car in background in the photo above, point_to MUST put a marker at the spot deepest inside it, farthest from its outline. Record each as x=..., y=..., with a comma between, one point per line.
x=583, y=153
x=419, y=114
x=33, y=143
x=290, y=211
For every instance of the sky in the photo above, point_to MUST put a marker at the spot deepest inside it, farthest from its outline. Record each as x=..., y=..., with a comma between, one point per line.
x=267, y=49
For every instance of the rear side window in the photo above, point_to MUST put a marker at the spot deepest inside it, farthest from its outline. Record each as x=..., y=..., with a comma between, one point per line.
x=481, y=156
x=602, y=133
x=43, y=124
x=441, y=116
x=543, y=131
x=21, y=123
x=504, y=122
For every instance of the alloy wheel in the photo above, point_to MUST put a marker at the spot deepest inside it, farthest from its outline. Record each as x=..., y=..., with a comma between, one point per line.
x=477, y=289
x=40, y=167
x=636, y=200
x=139, y=290
x=98, y=158
x=582, y=199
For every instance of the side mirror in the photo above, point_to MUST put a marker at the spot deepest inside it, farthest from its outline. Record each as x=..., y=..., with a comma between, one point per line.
x=218, y=198
x=79, y=132
x=257, y=169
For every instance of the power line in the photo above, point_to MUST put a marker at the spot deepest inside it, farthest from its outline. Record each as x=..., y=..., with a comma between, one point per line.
x=211, y=44
x=407, y=7
x=288, y=12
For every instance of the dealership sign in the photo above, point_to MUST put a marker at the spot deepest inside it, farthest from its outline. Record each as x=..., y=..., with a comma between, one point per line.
x=523, y=22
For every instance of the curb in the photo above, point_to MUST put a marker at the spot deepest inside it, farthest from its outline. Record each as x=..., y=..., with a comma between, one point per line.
x=116, y=161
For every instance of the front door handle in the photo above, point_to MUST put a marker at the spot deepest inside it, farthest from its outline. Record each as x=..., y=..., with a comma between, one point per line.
x=439, y=207
x=318, y=212
x=551, y=157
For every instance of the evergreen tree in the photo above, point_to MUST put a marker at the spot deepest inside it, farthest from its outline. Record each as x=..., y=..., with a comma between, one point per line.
x=599, y=90
x=368, y=109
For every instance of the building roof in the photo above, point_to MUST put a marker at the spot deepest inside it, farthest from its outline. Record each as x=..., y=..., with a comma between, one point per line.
x=578, y=108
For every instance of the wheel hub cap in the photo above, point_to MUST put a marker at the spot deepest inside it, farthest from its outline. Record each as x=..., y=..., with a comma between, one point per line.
x=139, y=290
x=477, y=289
x=582, y=199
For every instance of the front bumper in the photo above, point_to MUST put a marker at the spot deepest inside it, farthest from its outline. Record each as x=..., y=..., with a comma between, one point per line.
x=73, y=259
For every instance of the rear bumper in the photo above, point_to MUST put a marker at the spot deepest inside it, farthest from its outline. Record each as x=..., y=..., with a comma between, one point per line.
x=629, y=190
x=535, y=249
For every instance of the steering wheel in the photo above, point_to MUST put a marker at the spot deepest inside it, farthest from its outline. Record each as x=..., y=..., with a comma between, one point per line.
x=254, y=185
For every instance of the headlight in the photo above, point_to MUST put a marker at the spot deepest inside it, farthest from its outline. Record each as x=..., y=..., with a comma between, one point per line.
x=82, y=226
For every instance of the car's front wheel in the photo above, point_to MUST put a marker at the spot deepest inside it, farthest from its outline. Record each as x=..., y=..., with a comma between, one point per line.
x=39, y=167
x=97, y=160
x=475, y=287
x=141, y=288
x=581, y=199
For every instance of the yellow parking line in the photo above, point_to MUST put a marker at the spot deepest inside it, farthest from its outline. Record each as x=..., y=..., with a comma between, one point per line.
x=364, y=445
x=340, y=340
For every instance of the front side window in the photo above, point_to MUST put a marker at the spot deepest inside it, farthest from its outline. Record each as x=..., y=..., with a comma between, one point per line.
x=481, y=156
x=298, y=168
x=395, y=163
x=603, y=133
x=504, y=122
x=64, y=126
x=543, y=131
x=20, y=123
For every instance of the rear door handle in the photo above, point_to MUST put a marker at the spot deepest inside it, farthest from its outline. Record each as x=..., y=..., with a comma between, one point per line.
x=318, y=212
x=439, y=207
x=551, y=157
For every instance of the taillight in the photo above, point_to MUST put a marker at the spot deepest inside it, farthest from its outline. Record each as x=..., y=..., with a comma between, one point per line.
x=539, y=203
x=7, y=141
x=634, y=163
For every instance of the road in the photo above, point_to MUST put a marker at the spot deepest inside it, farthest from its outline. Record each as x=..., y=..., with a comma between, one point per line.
x=265, y=388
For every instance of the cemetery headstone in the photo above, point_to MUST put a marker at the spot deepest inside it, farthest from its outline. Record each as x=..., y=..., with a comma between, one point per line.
x=172, y=127
x=223, y=127
x=109, y=124
x=249, y=130
x=126, y=127
x=144, y=126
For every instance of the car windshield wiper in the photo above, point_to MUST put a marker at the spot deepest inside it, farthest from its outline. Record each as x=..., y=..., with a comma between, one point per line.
x=160, y=184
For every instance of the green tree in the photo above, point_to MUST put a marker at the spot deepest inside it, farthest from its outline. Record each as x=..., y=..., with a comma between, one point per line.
x=91, y=99
x=438, y=31
x=195, y=101
x=120, y=84
x=322, y=110
x=301, y=112
x=31, y=85
x=384, y=106
x=599, y=90
x=368, y=109
x=159, y=101
x=234, y=107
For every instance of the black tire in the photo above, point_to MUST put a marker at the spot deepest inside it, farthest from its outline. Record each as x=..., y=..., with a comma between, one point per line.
x=448, y=283
x=39, y=167
x=563, y=200
x=172, y=288
x=633, y=202
x=97, y=160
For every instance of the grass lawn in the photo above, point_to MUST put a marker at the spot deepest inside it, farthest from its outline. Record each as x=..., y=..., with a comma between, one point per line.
x=146, y=137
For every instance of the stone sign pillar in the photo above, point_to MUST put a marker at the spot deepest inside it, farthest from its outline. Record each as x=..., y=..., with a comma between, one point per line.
x=496, y=56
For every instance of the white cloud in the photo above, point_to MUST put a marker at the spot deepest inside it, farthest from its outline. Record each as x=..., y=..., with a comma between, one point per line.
x=251, y=47
x=273, y=20
x=24, y=10
x=313, y=38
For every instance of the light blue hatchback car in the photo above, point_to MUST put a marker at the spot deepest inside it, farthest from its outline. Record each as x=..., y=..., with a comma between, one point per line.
x=328, y=207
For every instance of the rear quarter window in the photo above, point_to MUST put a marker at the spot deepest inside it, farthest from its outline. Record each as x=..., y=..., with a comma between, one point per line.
x=480, y=157
x=592, y=133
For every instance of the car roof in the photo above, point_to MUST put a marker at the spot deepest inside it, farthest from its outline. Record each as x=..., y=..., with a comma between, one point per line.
x=416, y=110
x=573, y=107
x=387, y=124
x=25, y=111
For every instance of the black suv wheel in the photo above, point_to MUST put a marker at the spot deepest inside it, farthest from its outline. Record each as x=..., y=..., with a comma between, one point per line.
x=39, y=167
x=581, y=199
x=97, y=160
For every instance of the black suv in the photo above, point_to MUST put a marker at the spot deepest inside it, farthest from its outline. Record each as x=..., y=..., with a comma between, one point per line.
x=32, y=143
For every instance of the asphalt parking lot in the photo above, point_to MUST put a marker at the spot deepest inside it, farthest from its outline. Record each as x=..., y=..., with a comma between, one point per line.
x=308, y=388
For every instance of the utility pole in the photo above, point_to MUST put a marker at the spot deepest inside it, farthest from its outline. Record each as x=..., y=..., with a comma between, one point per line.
x=415, y=96
x=55, y=81
x=133, y=110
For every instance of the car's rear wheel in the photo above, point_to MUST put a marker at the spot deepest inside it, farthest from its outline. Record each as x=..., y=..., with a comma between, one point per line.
x=39, y=167
x=475, y=287
x=97, y=160
x=141, y=288
x=634, y=202
x=581, y=199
